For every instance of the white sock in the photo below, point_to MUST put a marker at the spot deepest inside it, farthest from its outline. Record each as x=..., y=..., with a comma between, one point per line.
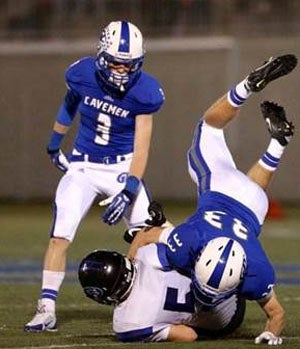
x=52, y=281
x=239, y=94
x=270, y=159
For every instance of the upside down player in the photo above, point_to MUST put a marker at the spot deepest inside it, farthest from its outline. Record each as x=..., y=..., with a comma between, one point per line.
x=116, y=101
x=150, y=304
x=218, y=246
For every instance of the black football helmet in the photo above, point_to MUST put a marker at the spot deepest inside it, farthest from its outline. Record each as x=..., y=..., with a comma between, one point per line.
x=106, y=276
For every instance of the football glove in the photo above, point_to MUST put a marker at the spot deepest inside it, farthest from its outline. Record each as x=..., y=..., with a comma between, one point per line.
x=156, y=213
x=116, y=210
x=118, y=205
x=157, y=219
x=268, y=338
x=59, y=159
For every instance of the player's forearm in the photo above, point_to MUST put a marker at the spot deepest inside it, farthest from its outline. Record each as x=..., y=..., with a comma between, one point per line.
x=142, y=238
x=276, y=322
x=139, y=164
x=275, y=314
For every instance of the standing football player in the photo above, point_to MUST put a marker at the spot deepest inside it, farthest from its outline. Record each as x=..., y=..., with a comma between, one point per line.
x=116, y=101
x=218, y=246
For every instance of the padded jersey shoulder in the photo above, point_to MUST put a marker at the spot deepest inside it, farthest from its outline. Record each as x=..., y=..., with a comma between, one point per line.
x=81, y=72
x=147, y=93
x=259, y=278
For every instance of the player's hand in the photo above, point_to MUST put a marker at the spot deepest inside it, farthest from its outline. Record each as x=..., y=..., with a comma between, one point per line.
x=117, y=208
x=268, y=338
x=59, y=159
x=156, y=213
x=119, y=204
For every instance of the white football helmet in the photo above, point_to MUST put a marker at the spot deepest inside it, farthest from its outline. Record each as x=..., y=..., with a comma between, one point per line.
x=219, y=270
x=120, y=43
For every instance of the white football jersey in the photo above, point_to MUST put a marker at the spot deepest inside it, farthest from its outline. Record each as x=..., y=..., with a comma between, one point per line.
x=158, y=299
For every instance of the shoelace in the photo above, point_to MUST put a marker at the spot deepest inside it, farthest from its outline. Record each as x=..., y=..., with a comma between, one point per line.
x=41, y=308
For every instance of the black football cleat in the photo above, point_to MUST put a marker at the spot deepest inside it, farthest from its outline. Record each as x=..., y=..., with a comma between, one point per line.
x=278, y=125
x=271, y=70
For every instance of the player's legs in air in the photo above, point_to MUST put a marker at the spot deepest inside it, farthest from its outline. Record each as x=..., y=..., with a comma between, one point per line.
x=227, y=107
x=211, y=165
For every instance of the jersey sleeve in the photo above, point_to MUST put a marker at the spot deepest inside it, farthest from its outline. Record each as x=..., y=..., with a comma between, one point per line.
x=73, y=75
x=259, y=281
x=154, y=255
x=76, y=74
x=148, y=95
x=182, y=247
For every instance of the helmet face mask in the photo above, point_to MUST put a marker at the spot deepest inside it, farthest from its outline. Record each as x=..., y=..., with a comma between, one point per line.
x=219, y=271
x=207, y=298
x=121, y=43
x=106, y=276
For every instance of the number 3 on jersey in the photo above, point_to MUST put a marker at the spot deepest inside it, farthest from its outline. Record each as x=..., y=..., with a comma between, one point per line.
x=103, y=128
x=214, y=218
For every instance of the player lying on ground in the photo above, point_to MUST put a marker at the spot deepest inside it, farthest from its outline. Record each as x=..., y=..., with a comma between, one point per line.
x=151, y=304
x=218, y=246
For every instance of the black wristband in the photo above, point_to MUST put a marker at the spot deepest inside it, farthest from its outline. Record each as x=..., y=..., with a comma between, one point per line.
x=52, y=151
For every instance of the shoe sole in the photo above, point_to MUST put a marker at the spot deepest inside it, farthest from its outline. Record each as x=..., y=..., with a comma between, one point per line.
x=275, y=69
x=35, y=330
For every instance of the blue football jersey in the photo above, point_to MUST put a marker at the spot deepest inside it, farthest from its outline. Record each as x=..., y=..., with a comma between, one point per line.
x=219, y=215
x=107, y=123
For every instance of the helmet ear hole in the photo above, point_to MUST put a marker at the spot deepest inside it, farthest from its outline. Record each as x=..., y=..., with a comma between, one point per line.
x=208, y=262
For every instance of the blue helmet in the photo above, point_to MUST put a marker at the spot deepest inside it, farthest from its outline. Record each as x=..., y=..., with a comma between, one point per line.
x=218, y=271
x=120, y=43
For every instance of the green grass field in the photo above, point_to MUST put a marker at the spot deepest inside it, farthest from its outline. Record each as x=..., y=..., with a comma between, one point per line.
x=83, y=323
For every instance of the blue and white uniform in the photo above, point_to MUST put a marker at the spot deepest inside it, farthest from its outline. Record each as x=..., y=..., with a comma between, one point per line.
x=104, y=143
x=107, y=124
x=230, y=204
x=159, y=299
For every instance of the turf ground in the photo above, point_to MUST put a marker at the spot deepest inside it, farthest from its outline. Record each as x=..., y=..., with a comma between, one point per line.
x=83, y=323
